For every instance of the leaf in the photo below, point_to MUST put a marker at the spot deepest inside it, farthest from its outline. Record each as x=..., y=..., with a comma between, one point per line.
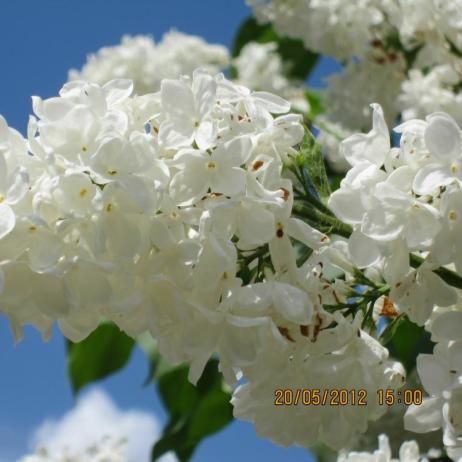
x=316, y=103
x=387, y=334
x=195, y=411
x=298, y=60
x=103, y=352
x=251, y=31
x=312, y=160
x=406, y=340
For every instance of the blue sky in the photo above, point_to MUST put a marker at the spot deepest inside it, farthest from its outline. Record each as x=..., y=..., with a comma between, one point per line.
x=39, y=42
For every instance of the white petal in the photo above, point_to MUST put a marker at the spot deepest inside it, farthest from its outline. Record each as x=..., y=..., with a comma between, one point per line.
x=363, y=250
x=346, y=204
x=397, y=263
x=18, y=185
x=229, y=182
x=118, y=90
x=373, y=146
x=433, y=373
x=3, y=174
x=292, y=304
x=86, y=284
x=255, y=224
x=382, y=225
x=7, y=220
x=45, y=251
x=306, y=234
x=430, y=177
x=426, y=417
x=448, y=325
x=176, y=135
x=121, y=234
x=204, y=88
x=442, y=137
x=272, y=103
x=188, y=187
x=441, y=293
x=206, y=134
x=177, y=98
x=235, y=152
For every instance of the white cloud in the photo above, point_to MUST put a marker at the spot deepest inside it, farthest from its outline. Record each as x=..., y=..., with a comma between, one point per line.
x=95, y=416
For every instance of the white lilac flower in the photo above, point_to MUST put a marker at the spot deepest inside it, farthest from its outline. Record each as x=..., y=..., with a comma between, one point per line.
x=443, y=140
x=260, y=67
x=402, y=200
x=139, y=59
x=318, y=359
x=96, y=230
x=430, y=24
x=154, y=244
x=408, y=452
x=441, y=377
x=350, y=93
x=424, y=93
x=347, y=27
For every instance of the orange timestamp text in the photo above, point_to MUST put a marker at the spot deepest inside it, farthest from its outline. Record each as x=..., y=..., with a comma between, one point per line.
x=344, y=397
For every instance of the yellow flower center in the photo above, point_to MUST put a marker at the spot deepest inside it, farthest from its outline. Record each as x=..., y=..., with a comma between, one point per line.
x=452, y=215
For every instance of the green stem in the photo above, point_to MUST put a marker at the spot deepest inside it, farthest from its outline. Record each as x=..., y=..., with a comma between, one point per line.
x=336, y=226
x=307, y=196
x=450, y=277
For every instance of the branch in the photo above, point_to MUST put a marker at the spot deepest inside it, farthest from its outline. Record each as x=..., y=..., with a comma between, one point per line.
x=332, y=225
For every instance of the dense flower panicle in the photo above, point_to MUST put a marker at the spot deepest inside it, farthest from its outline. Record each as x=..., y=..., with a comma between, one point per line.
x=402, y=200
x=350, y=93
x=431, y=24
x=260, y=67
x=347, y=29
x=143, y=209
x=411, y=48
x=343, y=356
x=424, y=93
x=350, y=28
x=139, y=59
x=105, y=205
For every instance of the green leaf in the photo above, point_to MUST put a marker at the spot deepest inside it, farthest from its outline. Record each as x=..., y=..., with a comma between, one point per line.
x=387, y=334
x=298, y=60
x=103, y=352
x=195, y=411
x=157, y=364
x=407, y=340
x=178, y=394
x=315, y=100
x=251, y=31
x=312, y=160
